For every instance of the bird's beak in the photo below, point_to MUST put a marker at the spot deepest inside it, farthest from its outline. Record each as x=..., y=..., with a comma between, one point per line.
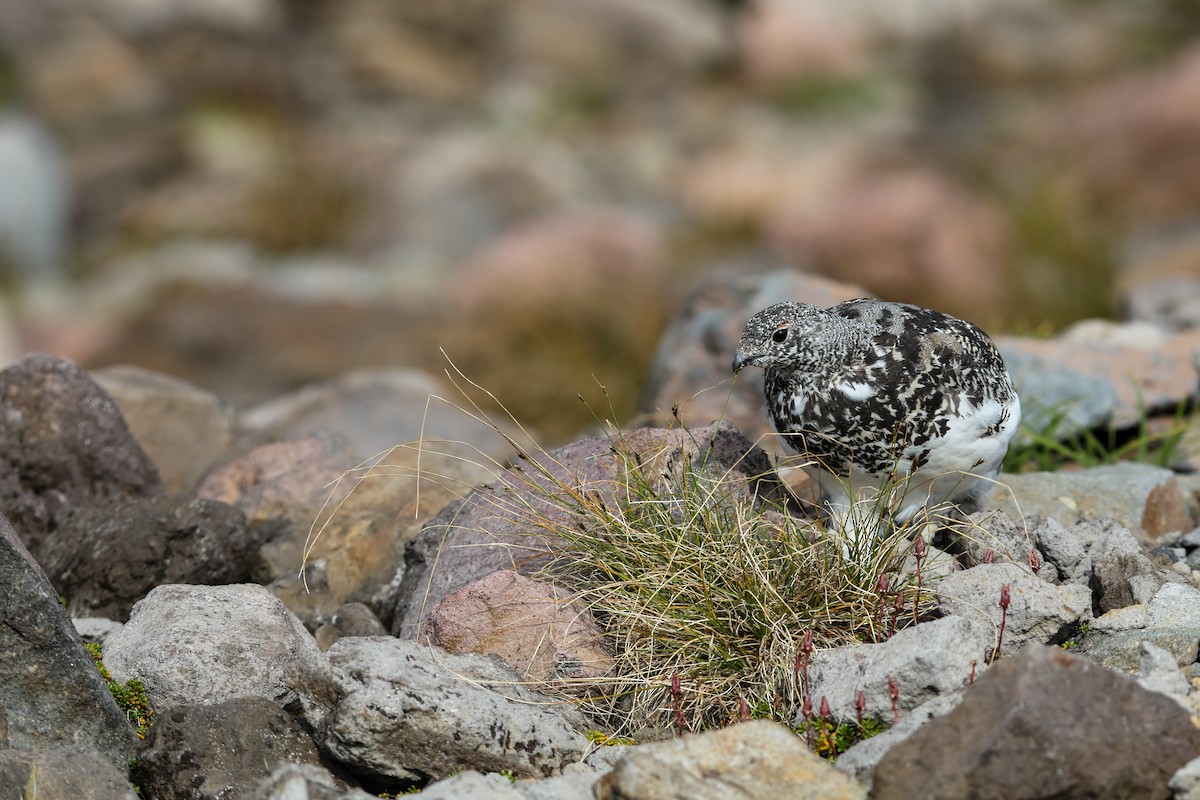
x=741, y=359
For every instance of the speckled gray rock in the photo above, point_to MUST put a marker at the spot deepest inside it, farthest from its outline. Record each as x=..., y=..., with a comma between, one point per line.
x=757, y=760
x=290, y=781
x=1119, y=492
x=219, y=751
x=77, y=772
x=1171, y=622
x=50, y=692
x=926, y=660
x=1052, y=395
x=1038, y=611
x=196, y=645
x=399, y=711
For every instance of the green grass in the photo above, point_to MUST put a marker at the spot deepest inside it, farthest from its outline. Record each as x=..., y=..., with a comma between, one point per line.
x=1048, y=447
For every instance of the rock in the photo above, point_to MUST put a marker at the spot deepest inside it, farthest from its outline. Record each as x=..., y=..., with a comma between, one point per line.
x=1031, y=727
x=199, y=645
x=535, y=627
x=182, y=428
x=291, y=781
x=63, y=444
x=1185, y=783
x=1137, y=496
x=1158, y=671
x=105, y=557
x=1170, y=621
x=345, y=523
x=51, y=694
x=34, y=202
x=351, y=619
x=1148, y=369
x=1038, y=611
x=1057, y=400
x=137, y=19
x=570, y=335
x=1169, y=301
x=95, y=629
x=907, y=235
x=752, y=760
x=786, y=42
x=399, y=712
x=212, y=752
x=377, y=410
x=470, y=783
x=623, y=49
x=491, y=529
x=863, y=757
x=924, y=661
x=73, y=771
x=695, y=354
x=1130, y=137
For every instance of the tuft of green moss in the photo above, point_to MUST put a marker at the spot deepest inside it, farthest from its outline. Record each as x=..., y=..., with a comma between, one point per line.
x=130, y=696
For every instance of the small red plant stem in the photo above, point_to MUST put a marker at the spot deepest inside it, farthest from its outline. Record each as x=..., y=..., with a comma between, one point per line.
x=1005, y=599
x=860, y=705
x=894, y=694
x=919, y=555
x=1035, y=560
x=676, y=695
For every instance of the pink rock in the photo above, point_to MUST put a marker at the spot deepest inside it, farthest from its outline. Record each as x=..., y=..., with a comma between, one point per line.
x=908, y=235
x=1136, y=140
x=790, y=40
x=537, y=628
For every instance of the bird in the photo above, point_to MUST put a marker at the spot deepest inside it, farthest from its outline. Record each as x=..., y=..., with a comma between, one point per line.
x=888, y=403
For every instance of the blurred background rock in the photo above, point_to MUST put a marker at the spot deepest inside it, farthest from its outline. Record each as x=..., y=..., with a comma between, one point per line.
x=254, y=195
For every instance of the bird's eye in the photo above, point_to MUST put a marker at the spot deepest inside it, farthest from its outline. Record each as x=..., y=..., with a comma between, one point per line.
x=779, y=336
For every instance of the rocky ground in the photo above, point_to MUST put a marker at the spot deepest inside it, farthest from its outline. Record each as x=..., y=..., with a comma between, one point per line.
x=408, y=645
x=278, y=253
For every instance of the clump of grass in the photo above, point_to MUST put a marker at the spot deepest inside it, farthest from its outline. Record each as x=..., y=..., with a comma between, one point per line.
x=130, y=696
x=705, y=584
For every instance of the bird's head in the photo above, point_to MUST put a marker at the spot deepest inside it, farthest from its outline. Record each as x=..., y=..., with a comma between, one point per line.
x=775, y=337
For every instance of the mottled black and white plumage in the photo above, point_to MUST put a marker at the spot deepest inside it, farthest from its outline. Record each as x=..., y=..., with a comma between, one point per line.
x=882, y=395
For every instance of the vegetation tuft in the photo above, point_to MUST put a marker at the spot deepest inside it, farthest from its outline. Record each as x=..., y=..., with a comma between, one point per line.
x=130, y=696
x=707, y=585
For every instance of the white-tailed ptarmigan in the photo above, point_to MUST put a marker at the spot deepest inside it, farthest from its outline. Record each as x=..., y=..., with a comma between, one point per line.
x=885, y=397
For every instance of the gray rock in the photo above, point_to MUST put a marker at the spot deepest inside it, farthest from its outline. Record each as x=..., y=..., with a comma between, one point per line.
x=926, y=660
x=1158, y=671
x=1038, y=611
x=1055, y=398
x=1170, y=301
x=78, y=772
x=291, y=781
x=51, y=694
x=1063, y=550
x=1171, y=622
x=1044, y=723
x=756, y=760
x=862, y=757
x=571, y=785
x=196, y=645
x=994, y=536
x=475, y=785
x=63, y=444
x=1119, y=492
x=106, y=556
x=401, y=711
x=34, y=201
x=351, y=619
x=219, y=751
x=95, y=629
x=182, y=428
